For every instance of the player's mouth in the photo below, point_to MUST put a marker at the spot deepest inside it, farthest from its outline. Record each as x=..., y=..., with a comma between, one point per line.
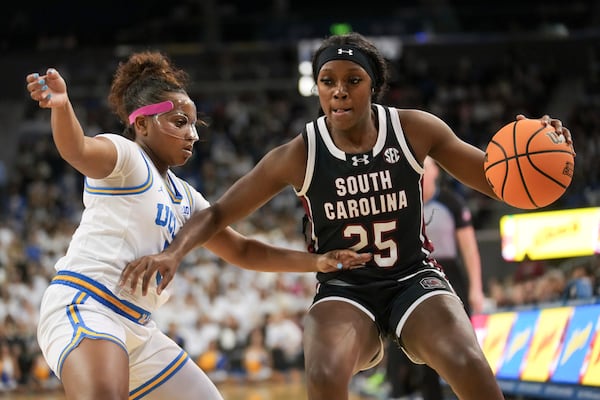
x=340, y=110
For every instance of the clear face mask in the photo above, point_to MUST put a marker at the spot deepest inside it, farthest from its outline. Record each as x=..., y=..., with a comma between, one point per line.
x=172, y=123
x=177, y=125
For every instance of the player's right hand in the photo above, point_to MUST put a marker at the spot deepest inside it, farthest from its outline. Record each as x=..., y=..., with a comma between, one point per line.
x=146, y=267
x=49, y=90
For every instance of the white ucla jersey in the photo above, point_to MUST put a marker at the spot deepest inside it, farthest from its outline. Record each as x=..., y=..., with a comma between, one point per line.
x=131, y=213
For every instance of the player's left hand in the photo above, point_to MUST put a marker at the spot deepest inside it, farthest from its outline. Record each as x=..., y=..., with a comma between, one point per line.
x=339, y=260
x=558, y=127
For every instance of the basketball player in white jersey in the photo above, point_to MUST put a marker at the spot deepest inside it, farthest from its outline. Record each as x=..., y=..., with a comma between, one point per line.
x=97, y=336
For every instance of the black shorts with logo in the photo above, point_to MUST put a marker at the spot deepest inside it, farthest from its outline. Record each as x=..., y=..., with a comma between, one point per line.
x=388, y=302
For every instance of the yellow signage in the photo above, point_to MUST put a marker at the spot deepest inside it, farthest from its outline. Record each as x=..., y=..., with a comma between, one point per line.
x=551, y=234
x=498, y=327
x=591, y=368
x=545, y=345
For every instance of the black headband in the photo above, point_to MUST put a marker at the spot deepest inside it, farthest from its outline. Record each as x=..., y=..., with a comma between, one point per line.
x=345, y=52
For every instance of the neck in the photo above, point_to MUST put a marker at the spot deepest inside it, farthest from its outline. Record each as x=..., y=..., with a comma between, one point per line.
x=360, y=139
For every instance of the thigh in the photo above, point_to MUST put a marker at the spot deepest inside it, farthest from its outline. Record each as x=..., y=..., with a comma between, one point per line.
x=440, y=333
x=437, y=329
x=161, y=369
x=341, y=334
x=68, y=318
x=429, y=285
x=459, y=281
x=85, y=373
x=79, y=338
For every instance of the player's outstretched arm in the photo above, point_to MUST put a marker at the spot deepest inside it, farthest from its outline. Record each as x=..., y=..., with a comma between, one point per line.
x=257, y=255
x=244, y=252
x=93, y=157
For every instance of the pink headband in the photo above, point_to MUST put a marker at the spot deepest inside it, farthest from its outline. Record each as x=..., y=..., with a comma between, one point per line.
x=151, y=109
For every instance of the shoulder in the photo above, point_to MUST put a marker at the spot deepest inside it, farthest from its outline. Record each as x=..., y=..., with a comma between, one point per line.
x=285, y=163
x=115, y=138
x=129, y=153
x=295, y=147
x=120, y=142
x=423, y=130
x=419, y=118
x=293, y=151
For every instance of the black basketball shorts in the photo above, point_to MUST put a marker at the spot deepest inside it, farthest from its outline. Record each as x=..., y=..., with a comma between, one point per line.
x=388, y=303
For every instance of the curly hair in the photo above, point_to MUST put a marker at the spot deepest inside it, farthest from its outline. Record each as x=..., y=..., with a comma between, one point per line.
x=143, y=79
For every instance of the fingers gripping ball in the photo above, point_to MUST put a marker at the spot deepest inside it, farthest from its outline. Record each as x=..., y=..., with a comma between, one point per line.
x=528, y=165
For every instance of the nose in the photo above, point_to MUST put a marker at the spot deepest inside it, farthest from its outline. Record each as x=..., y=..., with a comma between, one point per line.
x=192, y=133
x=340, y=91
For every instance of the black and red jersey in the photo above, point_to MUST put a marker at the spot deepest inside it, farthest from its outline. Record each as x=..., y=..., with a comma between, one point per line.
x=369, y=202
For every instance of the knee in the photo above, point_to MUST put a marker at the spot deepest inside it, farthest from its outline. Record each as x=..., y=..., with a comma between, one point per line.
x=96, y=387
x=318, y=374
x=99, y=390
x=468, y=359
x=326, y=373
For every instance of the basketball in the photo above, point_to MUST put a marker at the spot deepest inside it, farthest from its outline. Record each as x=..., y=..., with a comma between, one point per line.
x=528, y=165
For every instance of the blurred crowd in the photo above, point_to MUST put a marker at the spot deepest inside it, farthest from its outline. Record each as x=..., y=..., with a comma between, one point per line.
x=246, y=325
x=536, y=283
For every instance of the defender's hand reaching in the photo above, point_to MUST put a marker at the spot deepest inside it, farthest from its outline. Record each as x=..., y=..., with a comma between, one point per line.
x=146, y=267
x=337, y=260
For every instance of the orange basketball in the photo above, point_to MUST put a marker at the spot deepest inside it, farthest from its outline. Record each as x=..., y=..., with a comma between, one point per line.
x=528, y=165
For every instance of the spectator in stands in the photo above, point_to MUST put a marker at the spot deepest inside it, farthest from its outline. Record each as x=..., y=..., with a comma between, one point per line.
x=257, y=360
x=580, y=284
x=550, y=286
x=214, y=362
x=174, y=333
x=41, y=375
x=284, y=340
x=10, y=373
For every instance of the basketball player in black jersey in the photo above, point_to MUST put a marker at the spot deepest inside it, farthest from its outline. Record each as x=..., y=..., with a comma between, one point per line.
x=357, y=170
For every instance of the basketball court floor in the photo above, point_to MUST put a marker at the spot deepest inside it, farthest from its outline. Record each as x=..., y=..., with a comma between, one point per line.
x=232, y=391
